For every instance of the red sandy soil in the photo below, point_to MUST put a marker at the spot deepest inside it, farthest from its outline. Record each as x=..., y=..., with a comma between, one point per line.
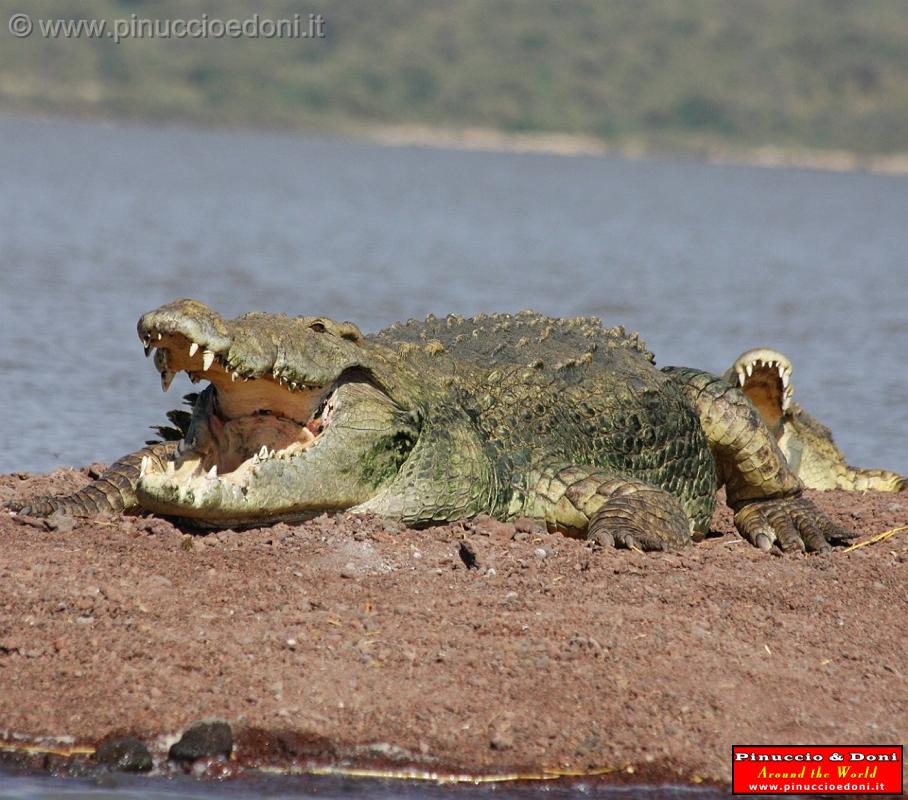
x=547, y=653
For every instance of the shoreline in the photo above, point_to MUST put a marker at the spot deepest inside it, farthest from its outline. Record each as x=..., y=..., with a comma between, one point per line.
x=488, y=140
x=568, y=144
x=356, y=643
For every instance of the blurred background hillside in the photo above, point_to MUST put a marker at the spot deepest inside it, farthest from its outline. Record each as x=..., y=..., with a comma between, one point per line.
x=672, y=75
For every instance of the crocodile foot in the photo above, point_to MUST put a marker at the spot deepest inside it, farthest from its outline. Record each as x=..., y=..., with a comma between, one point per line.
x=638, y=516
x=793, y=524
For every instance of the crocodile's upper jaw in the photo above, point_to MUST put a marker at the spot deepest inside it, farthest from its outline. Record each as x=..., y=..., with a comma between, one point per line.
x=764, y=375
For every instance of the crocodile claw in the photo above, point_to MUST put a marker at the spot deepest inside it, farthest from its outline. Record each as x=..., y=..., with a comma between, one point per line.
x=793, y=524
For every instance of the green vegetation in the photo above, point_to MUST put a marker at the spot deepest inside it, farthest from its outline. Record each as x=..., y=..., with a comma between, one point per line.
x=666, y=73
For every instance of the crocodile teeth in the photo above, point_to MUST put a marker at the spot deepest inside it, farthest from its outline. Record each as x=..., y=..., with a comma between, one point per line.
x=193, y=349
x=207, y=359
x=212, y=473
x=233, y=376
x=750, y=370
x=263, y=453
x=166, y=379
x=786, y=377
x=741, y=377
x=160, y=336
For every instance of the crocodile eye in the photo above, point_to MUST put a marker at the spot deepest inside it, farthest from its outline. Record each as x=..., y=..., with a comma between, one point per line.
x=349, y=331
x=318, y=327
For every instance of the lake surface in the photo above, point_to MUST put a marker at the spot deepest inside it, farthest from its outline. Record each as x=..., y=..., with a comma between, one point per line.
x=126, y=787
x=101, y=223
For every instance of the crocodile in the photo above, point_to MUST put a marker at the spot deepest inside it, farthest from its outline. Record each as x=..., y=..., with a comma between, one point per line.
x=764, y=375
x=564, y=421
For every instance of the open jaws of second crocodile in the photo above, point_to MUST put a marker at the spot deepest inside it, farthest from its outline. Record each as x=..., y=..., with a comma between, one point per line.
x=766, y=366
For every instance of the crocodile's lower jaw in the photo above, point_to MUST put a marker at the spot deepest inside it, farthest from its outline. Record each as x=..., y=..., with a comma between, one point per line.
x=214, y=483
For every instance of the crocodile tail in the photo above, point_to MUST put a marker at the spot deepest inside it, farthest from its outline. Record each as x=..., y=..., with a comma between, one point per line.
x=113, y=492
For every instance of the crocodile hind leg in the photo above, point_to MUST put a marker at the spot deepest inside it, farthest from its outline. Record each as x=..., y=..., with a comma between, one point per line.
x=759, y=485
x=610, y=509
x=113, y=492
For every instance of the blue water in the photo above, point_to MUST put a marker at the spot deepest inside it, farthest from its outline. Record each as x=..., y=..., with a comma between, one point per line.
x=102, y=223
x=123, y=787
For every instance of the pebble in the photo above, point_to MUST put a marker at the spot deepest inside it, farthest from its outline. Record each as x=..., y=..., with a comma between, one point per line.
x=154, y=526
x=113, y=593
x=59, y=523
x=485, y=525
x=394, y=527
x=124, y=754
x=203, y=739
x=502, y=740
x=467, y=554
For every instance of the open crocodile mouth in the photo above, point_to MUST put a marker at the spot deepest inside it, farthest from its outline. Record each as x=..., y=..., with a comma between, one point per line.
x=764, y=375
x=239, y=422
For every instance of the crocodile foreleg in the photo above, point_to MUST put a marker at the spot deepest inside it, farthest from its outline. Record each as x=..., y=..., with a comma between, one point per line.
x=113, y=492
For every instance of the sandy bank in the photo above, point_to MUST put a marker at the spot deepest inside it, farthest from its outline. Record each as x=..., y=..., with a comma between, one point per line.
x=372, y=640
